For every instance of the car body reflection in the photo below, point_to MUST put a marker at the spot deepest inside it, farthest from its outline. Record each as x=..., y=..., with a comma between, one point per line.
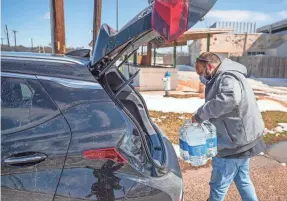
x=106, y=183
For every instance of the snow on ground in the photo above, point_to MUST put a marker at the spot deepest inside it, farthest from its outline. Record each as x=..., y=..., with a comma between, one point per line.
x=160, y=103
x=278, y=97
x=269, y=85
x=282, y=127
x=190, y=105
x=268, y=105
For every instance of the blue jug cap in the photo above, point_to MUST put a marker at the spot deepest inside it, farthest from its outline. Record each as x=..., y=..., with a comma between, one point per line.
x=167, y=74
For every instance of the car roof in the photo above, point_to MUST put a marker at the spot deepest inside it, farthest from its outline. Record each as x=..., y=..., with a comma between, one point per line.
x=48, y=56
x=46, y=65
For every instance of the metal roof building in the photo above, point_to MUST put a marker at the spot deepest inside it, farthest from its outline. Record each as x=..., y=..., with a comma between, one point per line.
x=238, y=27
x=277, y=27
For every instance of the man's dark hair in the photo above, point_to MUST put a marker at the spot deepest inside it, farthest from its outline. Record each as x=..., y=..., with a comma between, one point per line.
x=210, y=57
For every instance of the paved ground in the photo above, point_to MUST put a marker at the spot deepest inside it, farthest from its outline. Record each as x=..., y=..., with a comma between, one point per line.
x=269, y=178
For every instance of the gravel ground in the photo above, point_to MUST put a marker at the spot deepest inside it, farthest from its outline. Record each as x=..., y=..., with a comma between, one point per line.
x=268, y=176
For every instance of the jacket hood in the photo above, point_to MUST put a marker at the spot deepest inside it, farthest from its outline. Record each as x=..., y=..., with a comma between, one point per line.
x=228, y=65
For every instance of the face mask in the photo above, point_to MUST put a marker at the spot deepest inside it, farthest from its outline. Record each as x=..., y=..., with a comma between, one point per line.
x=203, y=79
x=208, y=77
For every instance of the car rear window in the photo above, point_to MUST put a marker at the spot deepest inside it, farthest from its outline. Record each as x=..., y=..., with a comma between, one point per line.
x=23, y=102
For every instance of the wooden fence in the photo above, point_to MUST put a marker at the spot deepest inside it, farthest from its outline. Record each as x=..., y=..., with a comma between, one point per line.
x=264, y=66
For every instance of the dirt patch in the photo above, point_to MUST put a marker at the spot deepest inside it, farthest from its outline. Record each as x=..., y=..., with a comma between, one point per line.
x=272, y=118
x=170, y=123
x=186, y=166
x=275, y=138
x=267, y=175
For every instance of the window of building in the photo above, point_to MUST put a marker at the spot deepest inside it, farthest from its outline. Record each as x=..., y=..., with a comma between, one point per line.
x=255, y=53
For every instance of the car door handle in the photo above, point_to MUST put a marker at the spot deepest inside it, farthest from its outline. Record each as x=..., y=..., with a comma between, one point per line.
x=27, y=159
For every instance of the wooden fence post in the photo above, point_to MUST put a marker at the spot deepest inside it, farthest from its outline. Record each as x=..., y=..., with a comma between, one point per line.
x=281, y=68
x=265, y=68
x=277, y=67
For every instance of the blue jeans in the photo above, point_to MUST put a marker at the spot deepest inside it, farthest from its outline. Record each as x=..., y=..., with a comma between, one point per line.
x=224, y=172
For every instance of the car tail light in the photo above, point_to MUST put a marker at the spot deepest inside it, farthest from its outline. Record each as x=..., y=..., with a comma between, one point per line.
x=107, y=153
x=169, y=18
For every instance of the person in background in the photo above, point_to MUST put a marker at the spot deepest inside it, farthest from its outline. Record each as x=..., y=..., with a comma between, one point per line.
x=230, y=105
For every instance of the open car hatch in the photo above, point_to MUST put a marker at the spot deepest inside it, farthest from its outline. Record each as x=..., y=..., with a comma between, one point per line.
x=162, y=21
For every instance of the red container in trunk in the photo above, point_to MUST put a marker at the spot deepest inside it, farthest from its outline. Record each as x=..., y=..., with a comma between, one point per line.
x=169, y=18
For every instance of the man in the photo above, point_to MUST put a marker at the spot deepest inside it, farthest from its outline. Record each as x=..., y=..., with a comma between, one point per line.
x=231, y=106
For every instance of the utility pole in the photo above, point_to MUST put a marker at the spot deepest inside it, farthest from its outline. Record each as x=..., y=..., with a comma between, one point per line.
x=174, y=54
x=14, y=32
x=154, y=56
x=208, y=42
x=148, y=56
x=57, y=26
x=7, y=34
x=97, y=20
x=117, y=15
x=31, y=39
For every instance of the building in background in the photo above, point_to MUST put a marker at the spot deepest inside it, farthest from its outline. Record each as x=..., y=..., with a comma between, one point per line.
x=277, y=30
x=244, y=41
x=238, y=27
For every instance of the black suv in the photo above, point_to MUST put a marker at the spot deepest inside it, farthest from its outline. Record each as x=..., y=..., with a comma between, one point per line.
x=76, y=129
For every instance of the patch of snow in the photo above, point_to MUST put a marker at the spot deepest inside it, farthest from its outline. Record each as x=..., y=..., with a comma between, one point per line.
x=163, y=117
x=181, y=117
x=268, y=105
x=269, y=85
x=190, y=105
x=283, y=164
x=182, y=105
x=278, y=129
x=281, y=97
x=261, y=153
x=283, y=125
x=176, y=149
x=266, y=131
x=271, y=132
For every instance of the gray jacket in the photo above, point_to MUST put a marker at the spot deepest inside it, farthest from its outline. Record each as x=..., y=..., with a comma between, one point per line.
x=231, y=106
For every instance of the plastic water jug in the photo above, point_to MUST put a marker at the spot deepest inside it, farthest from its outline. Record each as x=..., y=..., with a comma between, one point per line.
x=211, y=139
x=196, y=140
x=183, y=146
